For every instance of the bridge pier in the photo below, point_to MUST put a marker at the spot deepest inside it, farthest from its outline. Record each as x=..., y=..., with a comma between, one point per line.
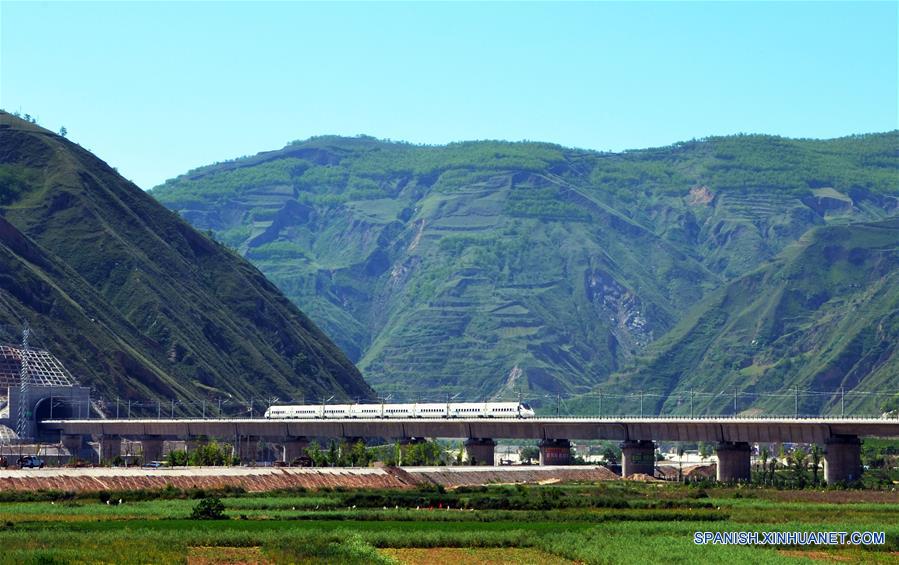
x=638, y=457
x=248, y=449
x=73, y=442
x=151, y=449
x=480, y=451
x=555, y=452
x=293, y=448
x=192, y=444
x=842, y=459
x=110, y=447
x=734, y=461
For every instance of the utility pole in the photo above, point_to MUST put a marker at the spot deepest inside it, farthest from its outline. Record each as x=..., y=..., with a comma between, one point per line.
x=116, y=407
x=600, y=403
x=159, y=409
x=735, y=402
x=204, y=408
x=842, y=402
x=796, y=410
x=558, y=405
x=641, y=403
x=129, y=408
x=173, y=409
x=691, y=403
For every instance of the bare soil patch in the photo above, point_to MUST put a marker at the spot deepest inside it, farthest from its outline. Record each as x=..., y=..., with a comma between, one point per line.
x=833, y=496
x=226, y=556
x=842, y=555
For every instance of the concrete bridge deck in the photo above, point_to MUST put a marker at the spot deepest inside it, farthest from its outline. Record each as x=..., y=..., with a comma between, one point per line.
x=841, y=437
x=753, y=430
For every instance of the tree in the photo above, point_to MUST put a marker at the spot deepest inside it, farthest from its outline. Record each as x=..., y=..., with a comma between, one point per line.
x=529, y=453
x=398, y=454
x=344, y=454
x=611, y=454
x=63, y=131
x=359, y=455
x=177, y=458
x=209, y=454
x=333, y=454
x=209, y=508
x=764, y=455
x=432, y=453
x=816, y=460
x=315, y=453
x=799, y=458
x=415, y=454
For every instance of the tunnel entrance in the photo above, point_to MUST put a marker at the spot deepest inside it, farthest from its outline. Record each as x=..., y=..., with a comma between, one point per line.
x=59, y=410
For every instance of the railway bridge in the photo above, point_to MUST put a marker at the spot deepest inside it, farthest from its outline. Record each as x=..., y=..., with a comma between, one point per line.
x=840, y=437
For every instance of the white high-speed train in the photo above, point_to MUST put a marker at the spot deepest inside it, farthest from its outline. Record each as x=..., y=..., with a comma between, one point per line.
x=442, y=410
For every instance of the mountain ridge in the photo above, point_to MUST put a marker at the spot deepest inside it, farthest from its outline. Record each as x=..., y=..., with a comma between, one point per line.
x=453, y=268
x=184, y=316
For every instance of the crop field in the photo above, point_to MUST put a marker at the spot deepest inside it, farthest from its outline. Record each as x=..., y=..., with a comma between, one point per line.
x=582, y=523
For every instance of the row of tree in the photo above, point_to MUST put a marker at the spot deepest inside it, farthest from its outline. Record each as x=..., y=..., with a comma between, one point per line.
x=334, y=454
x=800, y=468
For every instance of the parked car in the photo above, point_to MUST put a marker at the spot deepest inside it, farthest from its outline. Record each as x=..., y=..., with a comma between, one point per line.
x=155, y=464
x=30, y=462
x=302, y=461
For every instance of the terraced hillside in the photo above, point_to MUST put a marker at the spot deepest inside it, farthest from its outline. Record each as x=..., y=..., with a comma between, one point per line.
x=491, y=267
x=133, y=300
x=823, y=315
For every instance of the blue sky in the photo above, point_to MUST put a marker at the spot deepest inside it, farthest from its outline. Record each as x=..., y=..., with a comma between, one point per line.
x=157, y=89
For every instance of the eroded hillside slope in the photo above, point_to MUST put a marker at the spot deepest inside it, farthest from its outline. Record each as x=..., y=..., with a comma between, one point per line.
x=492, y=267
x=134, y=300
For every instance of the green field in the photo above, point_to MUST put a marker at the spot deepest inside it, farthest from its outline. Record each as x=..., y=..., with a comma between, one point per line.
x=602, y=523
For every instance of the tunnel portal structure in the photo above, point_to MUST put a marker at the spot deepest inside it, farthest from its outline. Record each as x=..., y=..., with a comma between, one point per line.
x=733, y=436
x=50, y=391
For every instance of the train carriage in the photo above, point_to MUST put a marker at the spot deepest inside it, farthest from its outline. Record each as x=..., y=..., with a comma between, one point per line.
x=417, y=410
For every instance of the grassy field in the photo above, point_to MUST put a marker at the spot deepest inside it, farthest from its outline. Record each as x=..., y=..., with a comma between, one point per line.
x=603, y=523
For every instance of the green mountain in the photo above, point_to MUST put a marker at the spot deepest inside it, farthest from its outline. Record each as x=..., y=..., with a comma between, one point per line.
x=133, y=300
x=821, y=316
x=491, y=268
